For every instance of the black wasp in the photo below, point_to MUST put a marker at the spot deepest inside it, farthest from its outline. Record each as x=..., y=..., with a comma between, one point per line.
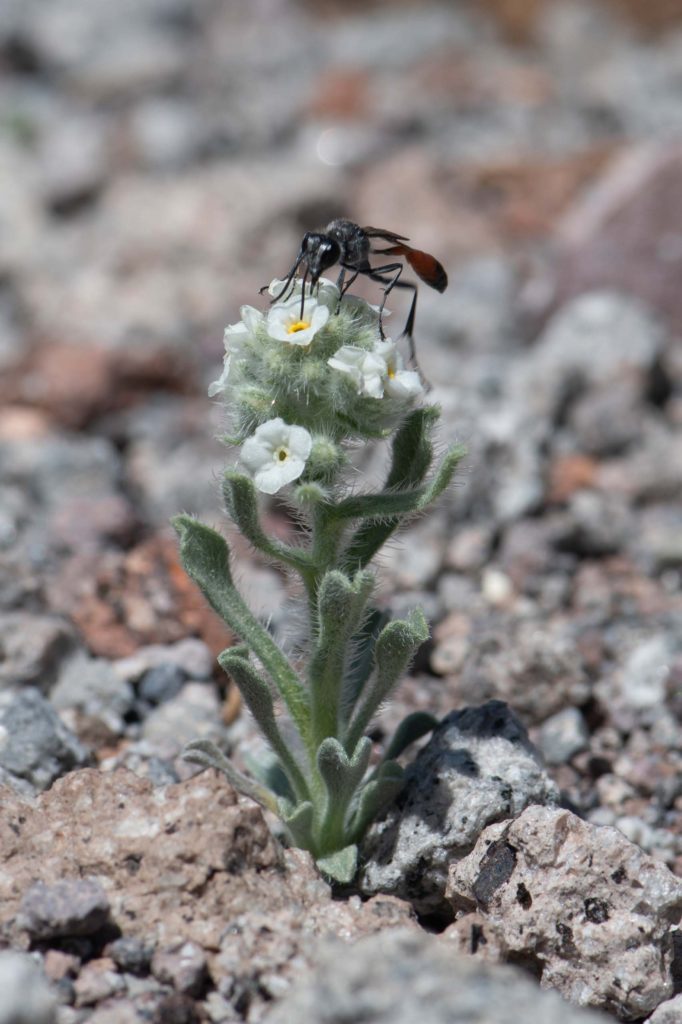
x=350, y=246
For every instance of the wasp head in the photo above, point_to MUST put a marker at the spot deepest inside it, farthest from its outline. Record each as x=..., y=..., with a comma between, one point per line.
x=321, y=252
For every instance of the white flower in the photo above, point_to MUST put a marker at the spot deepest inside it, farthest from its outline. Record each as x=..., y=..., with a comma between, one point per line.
x=233, y=337
x=326, y=292
x=366, y=369
x=286, y=324
x=401, y=384
x=276, y=454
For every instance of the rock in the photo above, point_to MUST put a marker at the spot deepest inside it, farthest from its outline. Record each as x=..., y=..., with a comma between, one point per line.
x=25, y=997
x=642, y=680
x=91, y=688
x=97, y=981
x=31, y=648
x=478, y=767
x=190, y=656
x=624, y=233
x=586, y=907
x=76, y=906
x=73, y=163
x=130, y=954
x=161, y=683
x=562, y=736
x=402, y=977
x=192, y=714
x=593, y=341
x=669, y=1012
x=533, y=664
x=34, y=744
x=182, y=965
x=190, y=862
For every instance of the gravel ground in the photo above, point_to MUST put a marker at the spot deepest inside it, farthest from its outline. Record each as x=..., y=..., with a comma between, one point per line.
x=159, y=161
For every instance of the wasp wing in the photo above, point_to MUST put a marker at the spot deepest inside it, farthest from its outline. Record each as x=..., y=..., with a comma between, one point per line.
x=388, y=236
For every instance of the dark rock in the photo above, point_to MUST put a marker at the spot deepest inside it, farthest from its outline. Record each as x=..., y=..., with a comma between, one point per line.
x=131, y=955
x=161, y=683
x=34, y=743
x=478, y=767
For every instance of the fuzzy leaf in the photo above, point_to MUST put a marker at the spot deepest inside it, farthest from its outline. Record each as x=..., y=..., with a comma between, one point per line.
x=258, y=699
x=241, y=501
x=395, y=647
x=360, y=668
x=341, y=605
x=206, y=558
x=388, y=512
x=205, y=753
x=341, y=866
x=299, y=823
x=376, y=795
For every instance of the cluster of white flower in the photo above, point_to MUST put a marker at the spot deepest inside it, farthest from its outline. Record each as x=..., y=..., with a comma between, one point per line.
x=276, y=453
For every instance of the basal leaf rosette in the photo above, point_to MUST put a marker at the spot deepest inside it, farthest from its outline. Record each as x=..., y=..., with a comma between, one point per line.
x=318, y=364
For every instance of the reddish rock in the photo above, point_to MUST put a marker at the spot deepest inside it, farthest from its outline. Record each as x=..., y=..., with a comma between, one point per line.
x=568, y=474
x=120, y=601
x=625, y=232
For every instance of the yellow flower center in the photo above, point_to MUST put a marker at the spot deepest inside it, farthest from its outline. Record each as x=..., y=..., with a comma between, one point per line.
x=391, y=372
x=281, y=454
x=298, y=325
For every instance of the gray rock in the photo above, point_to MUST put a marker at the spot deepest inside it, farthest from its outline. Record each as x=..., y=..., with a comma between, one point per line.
x=190, y=656
x=91, y=687
x=161, y=683
x=402, y=977
x=31, y=648
x=562, y=736
x=193, y=714
x=182, y=965
x=532, y=663
x=75, y=906
x=130, y=954
x=25, y=996
x=34, y=744
x=593, y=340
x=588, y=908
x=669, y=1012
x=478, y=767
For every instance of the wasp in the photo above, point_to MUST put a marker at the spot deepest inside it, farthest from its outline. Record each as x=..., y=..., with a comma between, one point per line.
x=350, y=246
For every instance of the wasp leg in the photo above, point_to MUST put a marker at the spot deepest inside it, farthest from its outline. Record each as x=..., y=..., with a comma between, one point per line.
x=289, y=283
x=394, y=282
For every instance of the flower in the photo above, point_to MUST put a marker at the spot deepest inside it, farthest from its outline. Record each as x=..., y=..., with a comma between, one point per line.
x=285, y=322
x=326, y=292
x=366, y=369
x=233, y=337
x=401, y=384
x=276, y=454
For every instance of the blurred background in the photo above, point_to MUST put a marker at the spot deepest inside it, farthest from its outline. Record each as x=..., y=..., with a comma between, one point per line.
x=160, y=161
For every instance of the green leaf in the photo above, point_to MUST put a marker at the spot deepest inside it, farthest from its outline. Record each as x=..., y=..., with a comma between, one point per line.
x=412, y=728
x=205, y=753
x=241, y=501
x=341, y=606
x=299, y=823
x=258, y=699
x=341, y=866
x=375, y=796
x=389, y=510
x=206, y=558
x=362, y=661
x=395, y=647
